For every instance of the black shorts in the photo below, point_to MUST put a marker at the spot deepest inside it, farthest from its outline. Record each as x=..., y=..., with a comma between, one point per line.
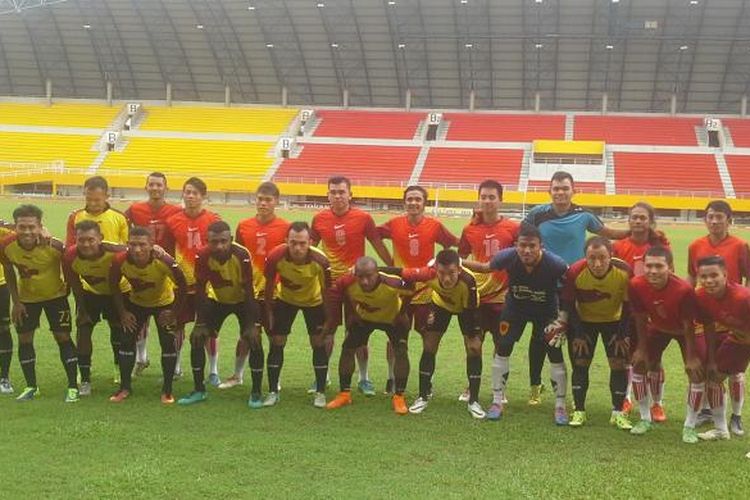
x=284, y=314
x=358, y=333
x=588, y=333
x=439, y=319
x=187, y=313
x=489, y=317
x=214, y=313
x=4, y=307
x=57, y=312
x=143, y=314
x=512, y=325
x=98, y=307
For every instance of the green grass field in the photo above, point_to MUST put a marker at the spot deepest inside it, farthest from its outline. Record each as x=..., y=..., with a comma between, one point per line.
x=223, y=449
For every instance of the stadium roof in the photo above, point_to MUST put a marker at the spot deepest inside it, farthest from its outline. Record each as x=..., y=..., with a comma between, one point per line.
x=569, y=51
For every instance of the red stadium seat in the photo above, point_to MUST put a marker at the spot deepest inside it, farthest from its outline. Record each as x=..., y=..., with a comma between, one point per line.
x=472, y=166
x=739, y=170
x=367, y=124
x=362, y=164
x=657, y=131
x=739, y=129
x=667, y=174
x=504, y=128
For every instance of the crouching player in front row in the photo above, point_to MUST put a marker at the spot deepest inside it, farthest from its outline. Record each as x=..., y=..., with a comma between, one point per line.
x=595, y=298
x=224, y=286
x=152, y=278
x=374, y=301
x=533, y=277
x=39, y=287
x=663, y=307
x=724, y=303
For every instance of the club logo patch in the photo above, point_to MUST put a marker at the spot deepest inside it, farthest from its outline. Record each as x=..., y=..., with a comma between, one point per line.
x=504, y=327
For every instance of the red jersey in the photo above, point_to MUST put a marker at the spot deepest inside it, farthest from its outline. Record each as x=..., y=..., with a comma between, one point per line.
x=260, y=239
x=342, y=238
x=189, y=234
x=666, y=308
x=733, y=249
x=414, y=245
x=632, y=253
x=731, y=312
x=143, y=214
x=482, y=241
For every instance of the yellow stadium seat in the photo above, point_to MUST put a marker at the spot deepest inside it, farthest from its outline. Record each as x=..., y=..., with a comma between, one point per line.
x=75, y=150
x=195, y=157
x=264, y=121
x=58, y=115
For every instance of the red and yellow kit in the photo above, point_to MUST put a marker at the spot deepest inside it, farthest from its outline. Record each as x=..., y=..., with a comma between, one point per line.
x=464, y=295
x=482, y=241
x=414, y=245
x=189, y=234
x=93, y=273
x=143, y=214
x=342, y=238
x=597, y=300
x=152, y=285
x=260, y=239
x=380, y=305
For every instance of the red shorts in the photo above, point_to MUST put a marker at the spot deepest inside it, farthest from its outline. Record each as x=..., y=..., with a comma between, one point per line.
x=187, y=314
x=732, y=357
x=489, y=317
x=657, y=342
x=419, y=315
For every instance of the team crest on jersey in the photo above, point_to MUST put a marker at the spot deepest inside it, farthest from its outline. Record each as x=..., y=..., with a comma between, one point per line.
x=504, y=328
x=431, y=318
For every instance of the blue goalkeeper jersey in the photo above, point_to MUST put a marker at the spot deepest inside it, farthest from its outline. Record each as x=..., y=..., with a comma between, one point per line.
x=564, y=235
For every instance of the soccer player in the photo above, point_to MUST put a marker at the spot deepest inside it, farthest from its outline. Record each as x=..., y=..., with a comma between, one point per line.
x=414, y=237
x=483, y=237
x=663, y=307
x=112, y=223
x=594, y=299
x=563, y=226
x=38, y=287
x=158, y=288
x=224, y=286
x=533, y=277
x=86, y=267
x=6, y=339
x=454, y=292
x=341, y=231
x=152, y=213
x=303, y=274
x=260, y=235
x=643, y=235
x=723, y=302
x=378, y=302
x=734, y=250
x=189, y=229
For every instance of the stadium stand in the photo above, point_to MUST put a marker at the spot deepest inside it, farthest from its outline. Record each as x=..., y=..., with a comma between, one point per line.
x=263, y=121
x=75, y=150
x=57, y=115
x=193, y=157
x=367, y=124
x=503, y=127
x=739, y=170
x=362, y=164
x=471, y=166
x=581, y=187
x=661, y=131
x=663, y=173
x=739, y=129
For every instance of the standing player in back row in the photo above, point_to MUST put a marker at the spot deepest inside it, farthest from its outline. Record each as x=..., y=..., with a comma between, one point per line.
x=153, y=214
x=734, y=251
x=414, y=237
x=189, y=229
x=563, y=226
x=488, y=233
x=260, y=235
x=341, y=231
x=112, y=223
